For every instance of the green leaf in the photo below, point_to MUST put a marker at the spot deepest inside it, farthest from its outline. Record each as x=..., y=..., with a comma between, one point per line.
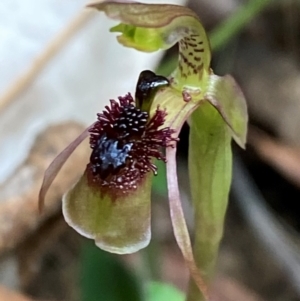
x=210, y=167
x=104, y=276
x=159, y=183
x=150, y=27
x=118, y=224
x=157, y=291
x=226, y=96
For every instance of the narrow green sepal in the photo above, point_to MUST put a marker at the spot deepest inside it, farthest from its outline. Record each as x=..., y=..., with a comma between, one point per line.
x=118, y=224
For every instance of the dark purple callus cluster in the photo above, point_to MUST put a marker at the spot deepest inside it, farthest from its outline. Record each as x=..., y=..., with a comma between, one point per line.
x=125, y=140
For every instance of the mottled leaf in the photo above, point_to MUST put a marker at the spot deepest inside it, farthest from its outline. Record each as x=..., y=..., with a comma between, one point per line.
x=118, y=223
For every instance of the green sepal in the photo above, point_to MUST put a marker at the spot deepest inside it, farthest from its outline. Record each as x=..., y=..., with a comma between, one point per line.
x=210, y=168
x=226, y=96
x=118, y=223
x=151, y=27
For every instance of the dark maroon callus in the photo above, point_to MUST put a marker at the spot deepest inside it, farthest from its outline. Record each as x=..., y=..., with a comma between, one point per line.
x=124, y=141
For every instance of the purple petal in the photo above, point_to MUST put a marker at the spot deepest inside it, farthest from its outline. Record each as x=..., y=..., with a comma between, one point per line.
x=56, y=165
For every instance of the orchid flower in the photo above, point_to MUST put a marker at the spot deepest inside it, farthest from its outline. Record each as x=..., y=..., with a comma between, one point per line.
x=111, y=201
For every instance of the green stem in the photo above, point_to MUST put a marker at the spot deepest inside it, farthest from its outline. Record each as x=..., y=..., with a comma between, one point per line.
x=210, y=165
x=226, y=30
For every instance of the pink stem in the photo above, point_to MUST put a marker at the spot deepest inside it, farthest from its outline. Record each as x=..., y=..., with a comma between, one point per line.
x=179, y=224
x=56, y=165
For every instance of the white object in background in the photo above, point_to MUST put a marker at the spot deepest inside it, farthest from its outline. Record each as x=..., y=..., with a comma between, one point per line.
x=87, y=72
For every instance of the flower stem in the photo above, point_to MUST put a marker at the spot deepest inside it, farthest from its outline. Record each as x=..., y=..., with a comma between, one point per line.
x=180, y=227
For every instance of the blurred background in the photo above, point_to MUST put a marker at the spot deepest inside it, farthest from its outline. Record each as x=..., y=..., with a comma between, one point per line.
x=59, y=66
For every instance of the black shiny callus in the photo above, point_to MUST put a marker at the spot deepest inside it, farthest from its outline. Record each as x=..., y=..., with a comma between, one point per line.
x=146, y=88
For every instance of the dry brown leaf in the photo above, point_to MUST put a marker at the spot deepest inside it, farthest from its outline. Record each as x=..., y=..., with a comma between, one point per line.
x=19, y=194
x=226, y=289
x=8, y=295
x=284, y=158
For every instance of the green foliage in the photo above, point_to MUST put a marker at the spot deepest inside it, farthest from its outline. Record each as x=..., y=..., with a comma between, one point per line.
x=159, y=182
x=157, y=291
x=227, y=29
x=104, y=277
